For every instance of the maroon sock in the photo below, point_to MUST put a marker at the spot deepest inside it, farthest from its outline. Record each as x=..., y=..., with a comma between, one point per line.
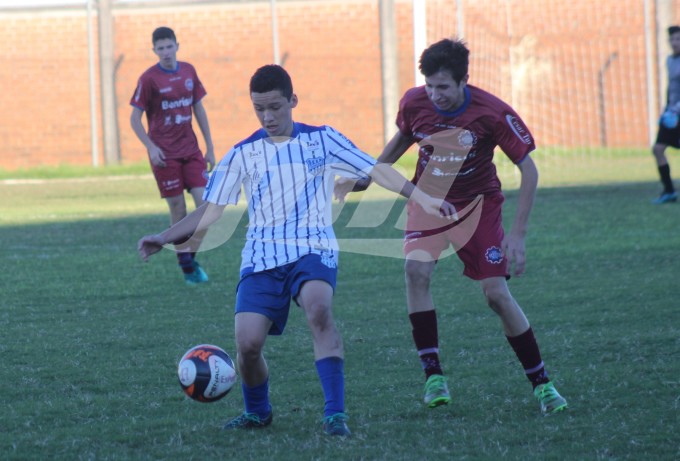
x=186, y=262
x=426, y=338
x=529, y=355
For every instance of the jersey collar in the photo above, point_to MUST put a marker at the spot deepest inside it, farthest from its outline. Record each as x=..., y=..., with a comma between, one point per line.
x=461, y=109
x=169, y=71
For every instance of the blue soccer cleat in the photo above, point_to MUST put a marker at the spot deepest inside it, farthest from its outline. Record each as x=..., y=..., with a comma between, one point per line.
x=197, y=276
x=666, y=197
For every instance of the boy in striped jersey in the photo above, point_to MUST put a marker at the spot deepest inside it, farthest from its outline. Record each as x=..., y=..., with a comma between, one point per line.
x=287, y=171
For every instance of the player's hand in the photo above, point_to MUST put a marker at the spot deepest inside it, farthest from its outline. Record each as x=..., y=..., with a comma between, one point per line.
x=515, y=252
x=210, y=159
x=157, y=157
x=342, y=187
x=439, y=208
x=149, y=245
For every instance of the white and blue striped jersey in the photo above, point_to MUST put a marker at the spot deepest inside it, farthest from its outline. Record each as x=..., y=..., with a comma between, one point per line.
x=289, y=187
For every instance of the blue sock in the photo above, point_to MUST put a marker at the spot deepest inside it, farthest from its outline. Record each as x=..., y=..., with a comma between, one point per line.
x=257, y=399
x=332, y=376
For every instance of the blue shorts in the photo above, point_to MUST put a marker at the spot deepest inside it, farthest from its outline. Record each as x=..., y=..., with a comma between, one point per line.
x=269, y=292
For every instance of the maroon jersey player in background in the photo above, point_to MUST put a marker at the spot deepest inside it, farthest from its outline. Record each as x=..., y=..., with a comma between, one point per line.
x=457, y=127
x=169, y=92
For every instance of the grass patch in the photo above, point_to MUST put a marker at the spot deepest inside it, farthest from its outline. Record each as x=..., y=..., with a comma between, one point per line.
x=91, y=338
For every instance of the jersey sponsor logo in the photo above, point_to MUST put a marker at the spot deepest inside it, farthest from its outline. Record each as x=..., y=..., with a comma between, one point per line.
x=171, y=184
x=167, y=89
x=439, y=172
x=494, y=255
x=518, y=128
x=179, y=119
x=181, y=102
x=189, y=84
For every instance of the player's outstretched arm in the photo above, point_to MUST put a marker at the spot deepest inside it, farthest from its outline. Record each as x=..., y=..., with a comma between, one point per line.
x=196, y=221
x=392, y=152
x=391, y=179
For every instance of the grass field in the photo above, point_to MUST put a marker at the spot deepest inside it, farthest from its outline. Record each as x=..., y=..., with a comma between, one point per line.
x=91, y=336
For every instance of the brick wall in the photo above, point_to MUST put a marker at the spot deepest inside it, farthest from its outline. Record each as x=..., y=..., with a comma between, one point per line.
x=542, y=56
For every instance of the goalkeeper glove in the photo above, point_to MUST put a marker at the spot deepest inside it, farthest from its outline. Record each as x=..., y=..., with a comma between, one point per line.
x=669, y=119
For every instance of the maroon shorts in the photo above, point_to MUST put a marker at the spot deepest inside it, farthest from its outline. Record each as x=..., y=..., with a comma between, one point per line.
x=179, y=174
x=476, y=237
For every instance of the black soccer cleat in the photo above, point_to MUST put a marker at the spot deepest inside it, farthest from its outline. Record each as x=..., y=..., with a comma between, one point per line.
x=249, y=421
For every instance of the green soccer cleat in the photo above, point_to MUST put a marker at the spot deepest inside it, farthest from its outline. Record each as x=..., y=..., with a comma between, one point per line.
x=551, y=401
x=249, y=421
x=197, y=276
x=436, y=391
x=336, y=425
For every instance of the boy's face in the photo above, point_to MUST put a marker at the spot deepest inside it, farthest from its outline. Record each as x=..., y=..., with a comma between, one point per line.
x=444, y=92
x=675, y=42
x=166, y=50
x=274, y=112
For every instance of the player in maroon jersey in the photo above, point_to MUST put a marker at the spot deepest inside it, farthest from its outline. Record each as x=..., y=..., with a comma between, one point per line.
x=457, y=126
x=169, y=92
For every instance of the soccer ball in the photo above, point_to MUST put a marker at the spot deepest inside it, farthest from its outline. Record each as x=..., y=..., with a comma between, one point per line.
x=206, y=373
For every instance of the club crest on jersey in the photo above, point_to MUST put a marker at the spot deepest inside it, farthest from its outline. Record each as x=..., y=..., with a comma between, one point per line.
x=314, y=164
x=189, y=84
x=467, y=138
x=518, y=128
x=494, y=255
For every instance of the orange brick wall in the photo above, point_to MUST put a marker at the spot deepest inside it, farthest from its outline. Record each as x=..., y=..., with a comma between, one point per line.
x=542, y=56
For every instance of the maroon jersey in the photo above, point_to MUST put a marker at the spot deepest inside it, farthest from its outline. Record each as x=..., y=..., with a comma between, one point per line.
x=168, y=97
x=455, y=158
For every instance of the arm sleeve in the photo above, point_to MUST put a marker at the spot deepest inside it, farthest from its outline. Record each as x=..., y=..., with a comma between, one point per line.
x=513, y=136
x=224, y=185
x=403, y=121
x=346, y=159
x=141, y=95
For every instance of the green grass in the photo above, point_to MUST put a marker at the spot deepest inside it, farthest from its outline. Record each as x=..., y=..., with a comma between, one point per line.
x=75, y=171
x=558, y=167
x=91, y=336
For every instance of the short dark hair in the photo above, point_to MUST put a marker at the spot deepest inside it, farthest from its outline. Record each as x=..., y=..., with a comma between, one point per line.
x=446, y=55
x=163, y=33
x=673, y=30
x=272, y=77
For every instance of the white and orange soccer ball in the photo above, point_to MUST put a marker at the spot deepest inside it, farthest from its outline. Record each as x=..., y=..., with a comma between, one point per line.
x=206, y=373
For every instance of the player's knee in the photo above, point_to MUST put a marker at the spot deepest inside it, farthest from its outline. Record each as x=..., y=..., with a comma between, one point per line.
x=498, y=300
x=248, y=348
x=417, y=273
x=658, y=150
x=319, y=315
